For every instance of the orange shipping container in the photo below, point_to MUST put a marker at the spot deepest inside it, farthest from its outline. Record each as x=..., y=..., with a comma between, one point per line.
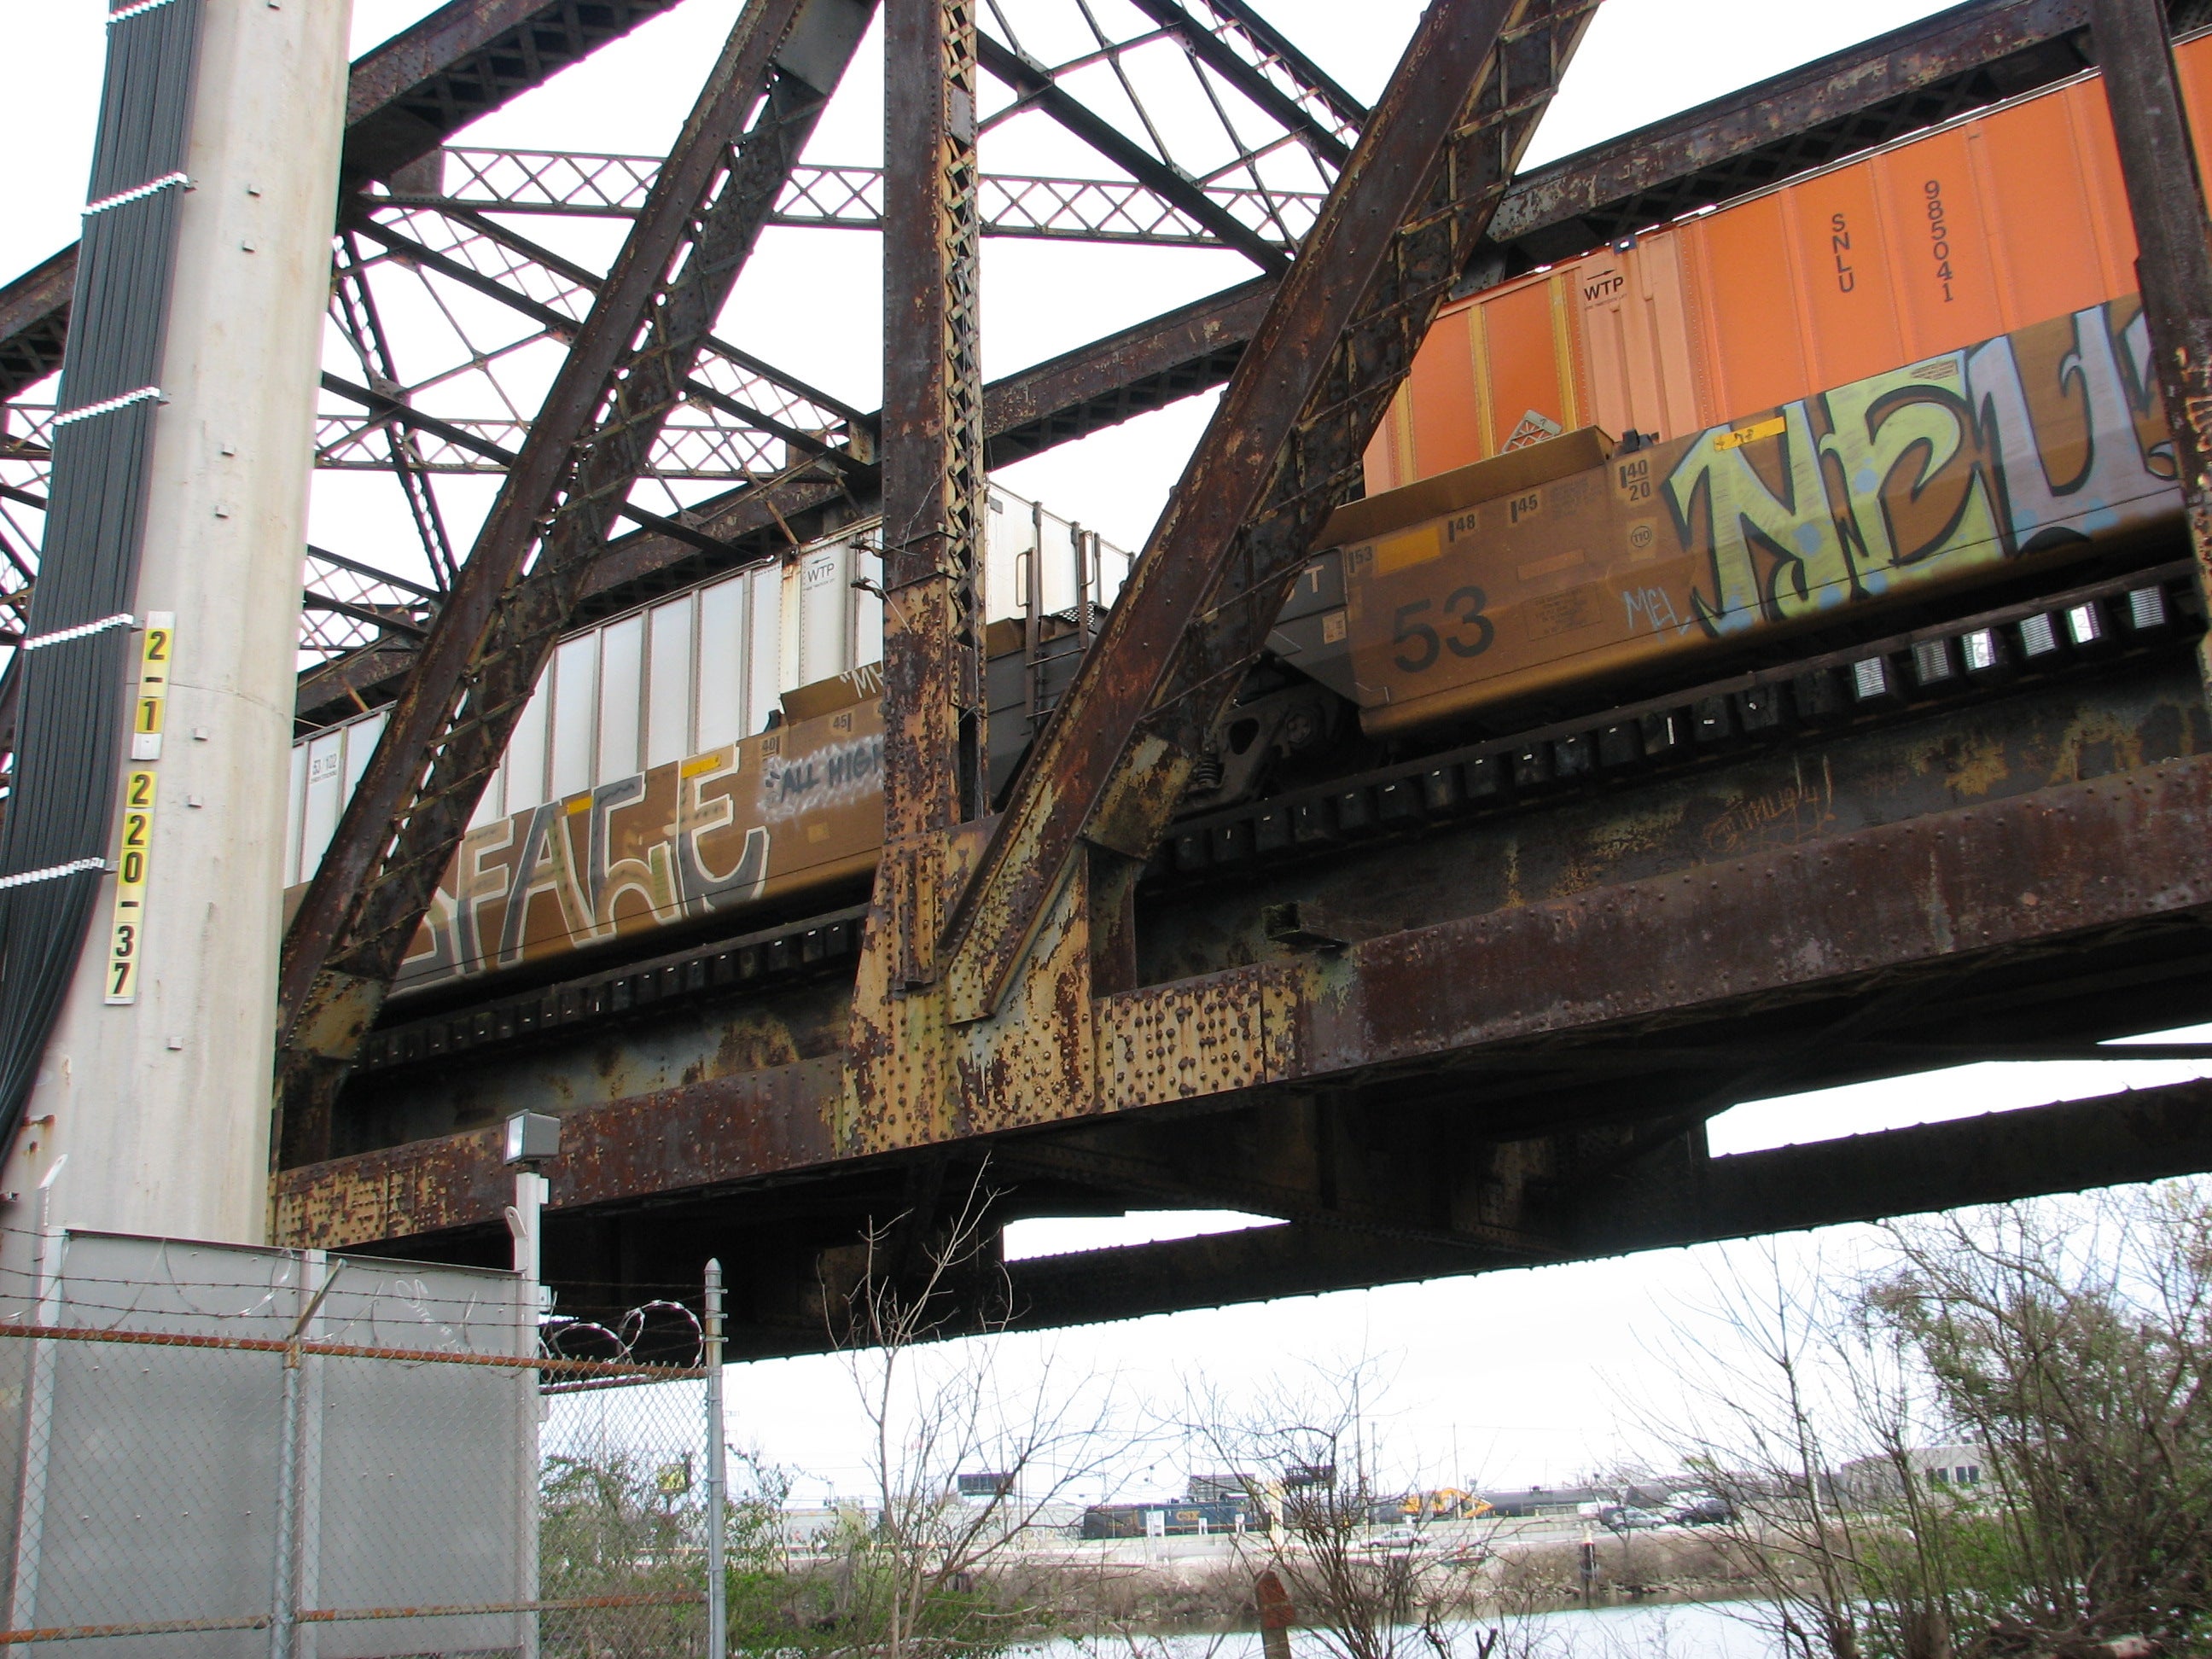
x=1987, y=224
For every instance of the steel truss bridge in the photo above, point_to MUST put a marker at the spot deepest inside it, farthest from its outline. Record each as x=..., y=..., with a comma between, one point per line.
x=1467, y=1011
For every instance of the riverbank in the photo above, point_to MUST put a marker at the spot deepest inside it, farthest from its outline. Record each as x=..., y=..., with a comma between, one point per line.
x=1508, y=1576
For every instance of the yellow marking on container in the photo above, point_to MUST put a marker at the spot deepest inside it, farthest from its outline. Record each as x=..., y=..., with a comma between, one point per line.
x=1563, y=354
x=1551, y=565
x=1478, y=352
x=1403, y=552
x=699, y=765
x=1750, y=435
x=126, y=940
x=578, y=804
x=1407, y=467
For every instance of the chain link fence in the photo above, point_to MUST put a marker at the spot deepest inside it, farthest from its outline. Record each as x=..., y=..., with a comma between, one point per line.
x=208, y=1452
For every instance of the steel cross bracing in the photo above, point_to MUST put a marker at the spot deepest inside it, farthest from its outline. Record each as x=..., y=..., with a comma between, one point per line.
x=1866, y=95
x=402, y=258
x=629, y=367
x=562, y=185
x=437, y=261
x=1282, y=451
x=788, y=449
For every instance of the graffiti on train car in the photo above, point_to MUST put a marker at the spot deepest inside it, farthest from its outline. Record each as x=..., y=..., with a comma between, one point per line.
x=2021, y=445
x=1943, y=472
x=750, y=820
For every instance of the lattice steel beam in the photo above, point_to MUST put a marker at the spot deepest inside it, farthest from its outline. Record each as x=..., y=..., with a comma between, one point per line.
x=564, y=185
x=1245, y=50
x=777, y=404
x=490, y=640
x=1766, y=133
x=404, y=99
x=1283, y=451
x=1033, y=83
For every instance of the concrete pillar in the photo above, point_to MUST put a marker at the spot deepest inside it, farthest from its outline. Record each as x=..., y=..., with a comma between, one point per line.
x=161, y=1107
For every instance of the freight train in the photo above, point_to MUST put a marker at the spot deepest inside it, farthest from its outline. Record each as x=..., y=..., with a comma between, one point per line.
x=1865, y=398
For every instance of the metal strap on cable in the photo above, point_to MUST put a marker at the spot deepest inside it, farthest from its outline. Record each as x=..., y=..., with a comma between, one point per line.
x=60, y=636
x=107, y=406
x=53, y=872
x=137, y=193
x=138, y=10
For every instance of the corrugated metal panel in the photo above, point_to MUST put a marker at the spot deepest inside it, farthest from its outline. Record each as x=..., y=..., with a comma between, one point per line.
x=1990, y=224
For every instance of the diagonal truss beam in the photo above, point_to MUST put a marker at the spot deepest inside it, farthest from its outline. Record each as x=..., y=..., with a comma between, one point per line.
x=403, y=100
x=623, y=374
x=1282, y=450
x=1869, y=93
x=1244, y=49
x=1032, y=83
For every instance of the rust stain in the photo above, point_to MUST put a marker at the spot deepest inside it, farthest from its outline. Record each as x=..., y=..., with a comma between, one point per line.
x=2076, y=857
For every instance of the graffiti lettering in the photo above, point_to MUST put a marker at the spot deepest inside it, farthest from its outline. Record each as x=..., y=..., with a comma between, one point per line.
x=677, y=842
x=2037, y=439
x=1655, y=605
x=830, y=776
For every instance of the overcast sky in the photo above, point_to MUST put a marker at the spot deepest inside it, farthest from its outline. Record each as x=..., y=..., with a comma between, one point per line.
x=1512, y=1377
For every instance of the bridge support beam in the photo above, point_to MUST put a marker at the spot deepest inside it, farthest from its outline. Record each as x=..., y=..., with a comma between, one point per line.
x=2173, y=246
x=160, y=1103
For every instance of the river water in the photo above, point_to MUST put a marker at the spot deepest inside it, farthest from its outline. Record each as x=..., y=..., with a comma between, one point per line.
x=1687, y=1630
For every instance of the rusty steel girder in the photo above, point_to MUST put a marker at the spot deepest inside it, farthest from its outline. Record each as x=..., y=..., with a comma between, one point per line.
x=491, y=638
x=2173, y=244
x=932, y=467
x=1282, y=452
x=1925, y=894
x=1867, y=93
x=2148, y=1134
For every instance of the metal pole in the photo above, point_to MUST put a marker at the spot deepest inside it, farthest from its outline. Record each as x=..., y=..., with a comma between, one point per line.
x=283, y=1606
x=718, y=1610
x=284, y=1611
x=526, y=1228
x=2173, y=247
x=38, y=1414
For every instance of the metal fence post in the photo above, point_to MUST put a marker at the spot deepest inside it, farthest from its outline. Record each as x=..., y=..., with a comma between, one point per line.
x=283, y=1607
x=526, y=1223
x=718, y=1609
x=38, y=1414
x=284, y=1613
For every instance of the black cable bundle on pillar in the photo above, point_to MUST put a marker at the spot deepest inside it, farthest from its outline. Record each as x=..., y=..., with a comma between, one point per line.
x=60, y=816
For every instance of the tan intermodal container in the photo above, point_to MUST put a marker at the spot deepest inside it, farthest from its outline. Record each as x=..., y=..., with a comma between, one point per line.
x=1959, y=467
x=1982, y=226
x=793, y=809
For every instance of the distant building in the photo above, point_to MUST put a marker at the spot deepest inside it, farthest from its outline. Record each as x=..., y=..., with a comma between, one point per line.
x=1874, y=1480
x=1222, y=1488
